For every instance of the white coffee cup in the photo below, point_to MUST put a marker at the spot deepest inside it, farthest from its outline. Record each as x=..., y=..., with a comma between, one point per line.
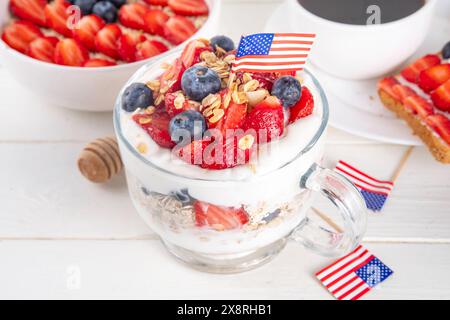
x=362, y=51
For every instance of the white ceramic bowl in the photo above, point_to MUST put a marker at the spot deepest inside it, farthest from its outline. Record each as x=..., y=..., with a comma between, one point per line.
x=89, y=89
x=362, y=51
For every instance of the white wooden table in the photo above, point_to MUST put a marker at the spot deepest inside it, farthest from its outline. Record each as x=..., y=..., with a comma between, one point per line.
x=56, y=227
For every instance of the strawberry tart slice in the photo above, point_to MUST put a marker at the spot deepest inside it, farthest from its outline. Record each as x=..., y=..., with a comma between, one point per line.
x=420, y=95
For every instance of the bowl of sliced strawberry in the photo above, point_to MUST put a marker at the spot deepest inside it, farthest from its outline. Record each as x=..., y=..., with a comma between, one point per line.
x=78, y=53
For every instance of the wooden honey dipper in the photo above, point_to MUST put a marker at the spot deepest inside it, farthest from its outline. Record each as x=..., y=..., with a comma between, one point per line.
x=100, y=160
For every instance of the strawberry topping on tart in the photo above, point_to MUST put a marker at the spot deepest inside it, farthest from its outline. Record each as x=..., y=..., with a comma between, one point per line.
x=420, y=95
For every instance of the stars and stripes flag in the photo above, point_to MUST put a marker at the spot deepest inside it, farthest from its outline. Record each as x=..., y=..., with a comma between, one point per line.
x=353, y=275
x=374, y=191
x=273, y=52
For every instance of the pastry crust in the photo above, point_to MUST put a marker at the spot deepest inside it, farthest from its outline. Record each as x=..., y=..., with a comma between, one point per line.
x=439, y=148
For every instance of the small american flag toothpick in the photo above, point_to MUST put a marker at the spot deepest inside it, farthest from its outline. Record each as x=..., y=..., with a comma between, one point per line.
x=273, y=52
x=374, y=191
x=353, y=275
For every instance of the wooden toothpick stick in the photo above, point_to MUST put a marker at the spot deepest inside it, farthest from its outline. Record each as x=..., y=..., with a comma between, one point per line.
x=402, y=163
x=328, y=220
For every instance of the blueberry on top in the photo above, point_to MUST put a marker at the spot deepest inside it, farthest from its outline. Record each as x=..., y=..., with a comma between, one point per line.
x=199, y=81
x=118, y=3
x=187, y=126
x=137, y=95
x=85, y=5
x=105, y=10
x=446, y=51
x=222, y=41
x=288, y=90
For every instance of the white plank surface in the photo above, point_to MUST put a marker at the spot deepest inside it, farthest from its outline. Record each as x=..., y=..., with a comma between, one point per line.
x=52, y=219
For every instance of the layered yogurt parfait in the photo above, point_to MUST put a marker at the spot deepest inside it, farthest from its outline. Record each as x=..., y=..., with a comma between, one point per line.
x=215, y=159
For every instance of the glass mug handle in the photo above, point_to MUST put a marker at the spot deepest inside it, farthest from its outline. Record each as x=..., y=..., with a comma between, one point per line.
x=344, y=195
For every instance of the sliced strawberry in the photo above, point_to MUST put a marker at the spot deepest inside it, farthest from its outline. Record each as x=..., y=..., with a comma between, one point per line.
x=178, y=29
x=106, y=40
x=30, y=10
x=419, y=105
x=95, y=63
x=169, y=102
x=387, y=85
x=157, y=127
x=132, y=15
x=433, y=77
x=127, y=45
x=19, y=34
x=56, y=16
x=150, y=48
x=441, y=97
x=218, y=217
x=154, y=21
x=86, y=30
x=189, y=7
x=267, y=119
x=192, y=51
x=412, y=72
x=304, y=106
x=402, y=92
x=218, y=155
x=69, y=52
x=171, y=78
x=157, y=2
x=233, y=118
x=43, y=48
x=441, y=124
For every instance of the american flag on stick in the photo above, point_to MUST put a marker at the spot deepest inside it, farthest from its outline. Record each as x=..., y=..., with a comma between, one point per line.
x=353, y=275
x=374, y=191
x=273, y=52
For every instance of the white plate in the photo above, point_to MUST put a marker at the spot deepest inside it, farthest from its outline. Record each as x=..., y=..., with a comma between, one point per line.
x=354, y=105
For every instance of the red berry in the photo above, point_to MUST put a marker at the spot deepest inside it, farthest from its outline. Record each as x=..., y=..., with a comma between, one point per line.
x=441, y=124
x=157, y=2
x=132, y=15
x=95, y=63
x=86, y=30
x=192, y=51
x=402, y=92
x=30, y=10
x=68, y=52
x=433, y=77
x=387, y=85
x=169, y=102
x=106, y=40
x=171, y=78
x=154, y=21
x=267, y=119
x=127, y=46
x=419, y=105
x=56, y=16
x=441, y=97
x=304, y=106
x=218, y=217
x=43, y=48
x=233, y=118
x=412, y=72
x=189, y=7
x=150, y=48
x=19, y=34
x=157, y=127
x=178, y=29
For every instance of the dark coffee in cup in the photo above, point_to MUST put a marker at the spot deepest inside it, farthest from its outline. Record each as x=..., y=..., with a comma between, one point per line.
x=360, y=12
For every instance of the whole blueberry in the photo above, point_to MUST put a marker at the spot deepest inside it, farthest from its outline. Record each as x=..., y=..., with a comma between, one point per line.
x=182, y=196
x=222, y=41
x=137, y=95
x=288, y=90
x=105, y=10
x=187, y=126
x=118, y=3
x=446, y=51
x=199, y=81
x=85, y=5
